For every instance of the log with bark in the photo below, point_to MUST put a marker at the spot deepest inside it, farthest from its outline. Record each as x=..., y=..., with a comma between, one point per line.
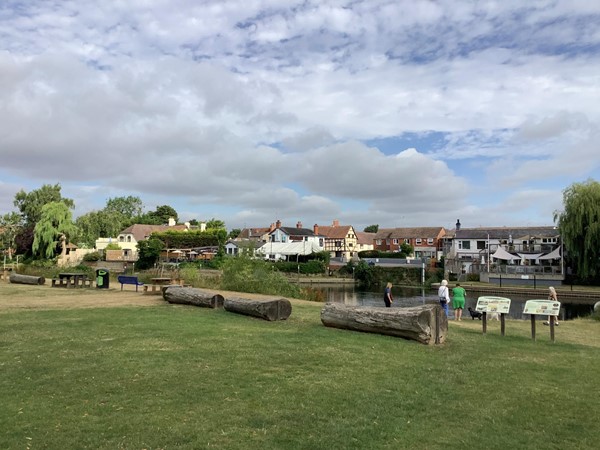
x=26, y=279
x=427, y=324
x=269, y=309
x=192, y=296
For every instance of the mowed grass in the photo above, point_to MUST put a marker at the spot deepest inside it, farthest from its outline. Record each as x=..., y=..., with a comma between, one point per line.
x=170, y=377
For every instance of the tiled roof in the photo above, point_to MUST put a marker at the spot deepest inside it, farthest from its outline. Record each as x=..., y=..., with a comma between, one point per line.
x=142, y=231
x=293, y=231
x=364, y=238
x=409, y=233
x=339, y=232
x=516, y=233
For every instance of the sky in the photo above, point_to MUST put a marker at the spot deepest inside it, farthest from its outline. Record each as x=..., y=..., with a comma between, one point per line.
x=396, y=113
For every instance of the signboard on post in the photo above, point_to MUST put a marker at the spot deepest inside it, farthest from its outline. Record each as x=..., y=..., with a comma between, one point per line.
x=489, y=304
x=545, y=307
x=486, y=304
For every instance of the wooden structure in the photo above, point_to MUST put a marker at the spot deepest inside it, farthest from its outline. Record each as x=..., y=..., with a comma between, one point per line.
x=192, y=296
x=70, y=280
x=275, y=309
x=26, y=279
x=426, y=324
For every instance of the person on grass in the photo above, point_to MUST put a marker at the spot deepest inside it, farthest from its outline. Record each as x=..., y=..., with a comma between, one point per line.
x=458, y=301
x=444, y=296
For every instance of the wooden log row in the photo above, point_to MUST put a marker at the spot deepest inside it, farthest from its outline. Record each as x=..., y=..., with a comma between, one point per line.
x=270, y=309
x=426, y=324
x=192, y=296
x=26, y=279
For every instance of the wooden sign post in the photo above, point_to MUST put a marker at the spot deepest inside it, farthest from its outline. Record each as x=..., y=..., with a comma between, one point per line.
x=487, y=304
x=549, y=308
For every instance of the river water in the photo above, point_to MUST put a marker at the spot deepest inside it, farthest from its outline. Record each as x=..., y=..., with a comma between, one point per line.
x=353, y=295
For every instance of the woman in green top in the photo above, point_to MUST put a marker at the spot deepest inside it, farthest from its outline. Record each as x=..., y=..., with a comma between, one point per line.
x=458, y=301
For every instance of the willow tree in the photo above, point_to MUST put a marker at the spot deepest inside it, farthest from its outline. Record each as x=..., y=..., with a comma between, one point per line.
x=55, y=225
x=579, y=226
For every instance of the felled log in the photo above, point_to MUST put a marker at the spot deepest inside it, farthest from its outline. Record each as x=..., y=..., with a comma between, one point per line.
x=275, y=309
x=26, y=279
x=426, y=324
x=192, y=296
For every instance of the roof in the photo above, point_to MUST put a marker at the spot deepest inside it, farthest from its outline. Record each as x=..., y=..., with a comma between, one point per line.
x=338, y=232
x=408, y=233
x=294, y=231
x=142, y=231
x=514, y=233
x=253, y=233
x=365, y=238
x=290, y=248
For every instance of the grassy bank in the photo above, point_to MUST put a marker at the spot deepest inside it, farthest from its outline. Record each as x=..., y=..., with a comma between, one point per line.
x=184, y=377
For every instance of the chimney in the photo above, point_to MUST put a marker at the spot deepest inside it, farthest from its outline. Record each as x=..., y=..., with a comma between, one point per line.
x=336, y=223
x=316, y=229
x=271, y=227
x=278, y=224
x=299, y=224
x=457, y=224
x=171, y=222
x=202, y=227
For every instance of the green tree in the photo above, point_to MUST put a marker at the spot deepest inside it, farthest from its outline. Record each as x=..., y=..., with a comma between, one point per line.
x=149, y=252
x=406, y=250
x=579, y=226
x=235, y=232
x=10, y=224
x=215, y=224
x=159, y=217
x=30, y=204
x=371, y=229
x=97, y=224
x=55, y=221
x=128, y=207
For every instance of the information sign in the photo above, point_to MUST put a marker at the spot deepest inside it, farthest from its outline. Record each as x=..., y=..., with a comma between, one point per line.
x=487, y=304
x=545, y=307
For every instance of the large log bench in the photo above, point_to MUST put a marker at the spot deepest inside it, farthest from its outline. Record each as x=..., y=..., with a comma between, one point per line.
x=426, y=324
x=129, y=279
x=192, y=296
x=269, y=309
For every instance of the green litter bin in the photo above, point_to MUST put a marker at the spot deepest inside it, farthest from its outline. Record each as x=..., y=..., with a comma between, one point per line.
x=102, y=279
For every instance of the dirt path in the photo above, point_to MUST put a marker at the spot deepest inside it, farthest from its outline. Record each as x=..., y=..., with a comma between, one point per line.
x=21, y=296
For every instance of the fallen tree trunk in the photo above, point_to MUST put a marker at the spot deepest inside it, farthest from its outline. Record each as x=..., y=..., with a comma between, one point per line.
x=192, y=296
x=276, y=309
x=26, y=279
x=417, y=323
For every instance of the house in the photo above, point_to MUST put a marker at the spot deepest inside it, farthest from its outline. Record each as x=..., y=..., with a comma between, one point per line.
x=518, y=253
x=340, y=240
x=236, y=247
x=255, y=234
x=130, y=236
x=364, y=241
x=427, y=242
x=291, y=242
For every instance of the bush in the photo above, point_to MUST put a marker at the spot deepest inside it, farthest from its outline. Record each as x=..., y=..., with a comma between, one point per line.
x=91, y=257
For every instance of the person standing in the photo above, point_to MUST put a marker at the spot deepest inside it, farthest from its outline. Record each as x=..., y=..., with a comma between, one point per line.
x=444, y=295
x=387, y=295
x=458, y=301
x=554, y=297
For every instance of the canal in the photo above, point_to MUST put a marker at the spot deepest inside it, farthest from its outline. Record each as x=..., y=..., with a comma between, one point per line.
x=351, y=294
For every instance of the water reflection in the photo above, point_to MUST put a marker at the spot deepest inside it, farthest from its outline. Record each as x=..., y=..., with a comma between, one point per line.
x=403, y=297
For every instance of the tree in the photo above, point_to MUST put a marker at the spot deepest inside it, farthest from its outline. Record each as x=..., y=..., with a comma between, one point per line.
x=406, y=250
x=215, y=224
x=10, y=225
x=128, y=207
x=55, y=225
x=97, y=224
x=30, y=204
x=159, y=217
x=579, y=226
x=371, y=229
x=149, y=252
x=235, y=232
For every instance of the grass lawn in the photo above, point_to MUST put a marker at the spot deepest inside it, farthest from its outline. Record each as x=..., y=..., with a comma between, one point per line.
x=165, y=376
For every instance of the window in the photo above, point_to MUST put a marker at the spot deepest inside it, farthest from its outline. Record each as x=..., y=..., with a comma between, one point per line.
x=418, y=241
x=430, y=241
x=407, y=241
x=378, y=242
x=464, y=245
x=395, y=241
x=481, y=245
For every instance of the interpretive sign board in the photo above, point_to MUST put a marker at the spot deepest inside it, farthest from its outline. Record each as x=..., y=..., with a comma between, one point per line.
x=489, y=304
x=545, y=307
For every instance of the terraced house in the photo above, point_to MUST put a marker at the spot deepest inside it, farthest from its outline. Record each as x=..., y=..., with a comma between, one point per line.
x=427, y=242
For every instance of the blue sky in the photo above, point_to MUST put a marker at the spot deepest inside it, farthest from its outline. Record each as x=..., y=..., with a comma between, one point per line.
x=399, y=113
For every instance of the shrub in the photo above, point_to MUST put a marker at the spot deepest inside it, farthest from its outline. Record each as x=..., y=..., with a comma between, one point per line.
x=91, y=257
